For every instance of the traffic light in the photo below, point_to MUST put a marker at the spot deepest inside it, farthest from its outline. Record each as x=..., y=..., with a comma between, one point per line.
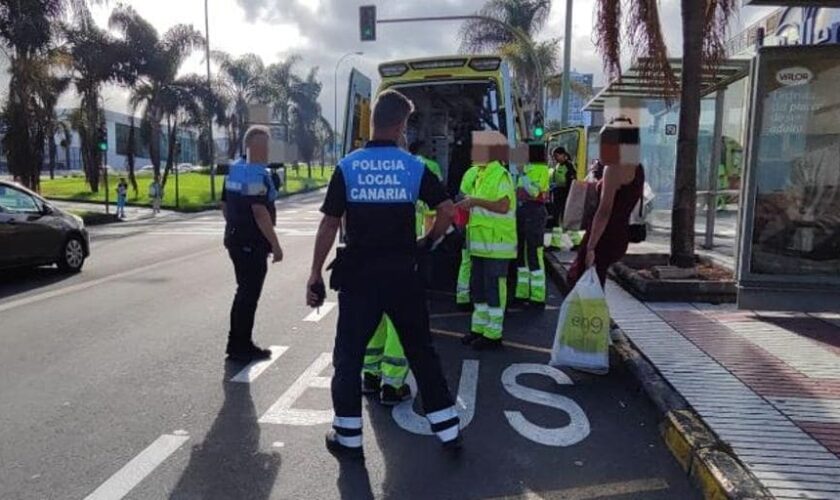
x=538, y=127
x=367, y=23
x=102, y=138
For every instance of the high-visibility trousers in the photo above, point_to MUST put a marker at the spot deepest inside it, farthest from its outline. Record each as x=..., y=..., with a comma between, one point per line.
x=489, y=291
x=530, y=278
x=384, y=356
x=530, y=262
x=462, y=292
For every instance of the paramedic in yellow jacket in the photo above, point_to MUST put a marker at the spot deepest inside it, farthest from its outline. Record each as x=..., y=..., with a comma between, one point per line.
x=492, y=239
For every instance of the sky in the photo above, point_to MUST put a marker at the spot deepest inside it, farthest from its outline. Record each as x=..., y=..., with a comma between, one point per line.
x=321, y=31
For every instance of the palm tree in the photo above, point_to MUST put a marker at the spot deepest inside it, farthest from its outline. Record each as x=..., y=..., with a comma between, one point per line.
x=155, y=62
x=26, y=37
x=54, y=87
x=306, y=116
x=241, y=81
x=278, y=84
x=526, y=16
x=704, y=25
x=96, y=58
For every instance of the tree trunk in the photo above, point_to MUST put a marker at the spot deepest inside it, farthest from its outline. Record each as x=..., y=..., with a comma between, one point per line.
x=53, y=151
x=685, y=177
x=67, y=154
x=172, y=129
x=129, y=155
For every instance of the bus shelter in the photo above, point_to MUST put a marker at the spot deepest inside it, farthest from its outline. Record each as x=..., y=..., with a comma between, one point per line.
x=720, y=142
x=789, y=252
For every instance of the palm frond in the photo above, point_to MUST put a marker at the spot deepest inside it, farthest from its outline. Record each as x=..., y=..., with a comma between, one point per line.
x=649, y=48
x=608, y=34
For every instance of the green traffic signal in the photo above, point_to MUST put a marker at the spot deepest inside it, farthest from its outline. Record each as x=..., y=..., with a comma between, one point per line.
x=538, y=132
x=103, y=146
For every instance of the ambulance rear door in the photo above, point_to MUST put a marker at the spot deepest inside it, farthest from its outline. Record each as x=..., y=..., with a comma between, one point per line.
x=574, y=140
x=356, y=112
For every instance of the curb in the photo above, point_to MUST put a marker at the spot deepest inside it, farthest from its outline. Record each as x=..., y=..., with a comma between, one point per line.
x=707, y=460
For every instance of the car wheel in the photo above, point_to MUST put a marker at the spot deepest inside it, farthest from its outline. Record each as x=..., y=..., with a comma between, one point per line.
x=72, y=256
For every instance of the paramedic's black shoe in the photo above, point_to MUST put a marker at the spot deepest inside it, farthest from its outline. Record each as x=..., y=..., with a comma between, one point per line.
x=469, y=339
x=340, y=451
x=392, y=396
x=370, y=383
x=485, y=344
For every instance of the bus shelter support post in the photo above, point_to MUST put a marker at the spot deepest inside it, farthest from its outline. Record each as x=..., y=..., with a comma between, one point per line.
x=714, y=164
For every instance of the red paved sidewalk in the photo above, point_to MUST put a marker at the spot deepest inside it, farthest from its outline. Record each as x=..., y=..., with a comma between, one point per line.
x=812, y=402
x=767, y=384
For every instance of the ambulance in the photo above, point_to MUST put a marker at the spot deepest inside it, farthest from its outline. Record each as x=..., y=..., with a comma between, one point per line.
x=453, y=96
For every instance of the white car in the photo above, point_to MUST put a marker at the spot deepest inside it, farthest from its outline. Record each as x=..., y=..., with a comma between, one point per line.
x=184, y=168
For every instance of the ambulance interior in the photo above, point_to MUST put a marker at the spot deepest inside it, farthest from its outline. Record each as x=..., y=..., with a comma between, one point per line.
x=446, y=114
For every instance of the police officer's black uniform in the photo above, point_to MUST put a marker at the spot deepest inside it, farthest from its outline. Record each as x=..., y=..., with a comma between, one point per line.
x=376, y=189
x=245, y=186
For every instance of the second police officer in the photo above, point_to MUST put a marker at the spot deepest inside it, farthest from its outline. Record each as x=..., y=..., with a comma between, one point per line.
x=375, y=189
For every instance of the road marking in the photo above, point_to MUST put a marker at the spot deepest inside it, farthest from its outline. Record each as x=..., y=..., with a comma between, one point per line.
x=600, y=490
x=405, y=416
x=281, y=412
x=574, y=432
x=255, y=369
x=125, y=479
x=319, y=314
x=517, y=345
x=95, y=282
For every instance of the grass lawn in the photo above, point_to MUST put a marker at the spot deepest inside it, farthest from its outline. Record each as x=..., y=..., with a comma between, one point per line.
x=194, y=188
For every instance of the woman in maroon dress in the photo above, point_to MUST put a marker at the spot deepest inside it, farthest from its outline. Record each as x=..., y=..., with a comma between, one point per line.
x=608, y=235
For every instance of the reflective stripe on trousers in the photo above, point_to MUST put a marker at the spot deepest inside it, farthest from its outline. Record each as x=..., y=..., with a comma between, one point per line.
x=480, y=318
x=445, y=423
x=462, y=292
x=348, y=431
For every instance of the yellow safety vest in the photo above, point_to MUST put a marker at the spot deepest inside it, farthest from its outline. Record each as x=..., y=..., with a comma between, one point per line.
x=493, y=235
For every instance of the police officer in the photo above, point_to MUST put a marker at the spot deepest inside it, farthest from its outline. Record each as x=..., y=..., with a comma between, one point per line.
x=532, y=195
x=248, y=200
x=375, y=188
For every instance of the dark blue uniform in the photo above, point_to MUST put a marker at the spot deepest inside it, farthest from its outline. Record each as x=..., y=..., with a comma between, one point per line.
x=245, y=186
x=376, y=189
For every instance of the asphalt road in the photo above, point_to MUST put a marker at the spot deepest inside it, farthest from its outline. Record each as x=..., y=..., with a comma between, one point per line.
x=113, y=385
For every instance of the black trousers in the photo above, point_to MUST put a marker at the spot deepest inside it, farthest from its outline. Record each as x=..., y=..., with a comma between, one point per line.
x=530, y=229
x=369, y=289
x=250, y=265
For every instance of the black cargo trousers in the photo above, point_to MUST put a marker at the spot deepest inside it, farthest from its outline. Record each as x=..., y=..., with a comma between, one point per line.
x=370, y=287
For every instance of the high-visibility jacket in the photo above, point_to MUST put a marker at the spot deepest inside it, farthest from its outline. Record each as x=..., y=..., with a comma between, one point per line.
x=532, y=185
x=433, y=166
x=563, y=173
x=493, y=235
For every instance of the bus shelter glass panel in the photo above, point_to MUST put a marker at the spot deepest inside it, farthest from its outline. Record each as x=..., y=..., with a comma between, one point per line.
x=796, y=214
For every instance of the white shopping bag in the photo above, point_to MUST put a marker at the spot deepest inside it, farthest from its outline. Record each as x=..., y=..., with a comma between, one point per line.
x=582, y=337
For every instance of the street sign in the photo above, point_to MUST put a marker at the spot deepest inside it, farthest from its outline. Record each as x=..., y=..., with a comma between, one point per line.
x=671, y=129
x=367, y=23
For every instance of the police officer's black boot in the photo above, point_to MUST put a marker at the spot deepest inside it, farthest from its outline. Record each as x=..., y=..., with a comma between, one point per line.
x=340, y=451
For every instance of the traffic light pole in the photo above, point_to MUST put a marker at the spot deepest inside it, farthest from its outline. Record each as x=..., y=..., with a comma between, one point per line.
x=105, y=173
x=567, y=71
x=211, y=144
x=519, y=34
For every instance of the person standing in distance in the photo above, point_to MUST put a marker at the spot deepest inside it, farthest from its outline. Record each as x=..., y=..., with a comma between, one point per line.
x=376, y=188
x=248, y=198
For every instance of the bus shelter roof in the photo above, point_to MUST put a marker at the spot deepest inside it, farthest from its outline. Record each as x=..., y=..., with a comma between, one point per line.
x=632, y=84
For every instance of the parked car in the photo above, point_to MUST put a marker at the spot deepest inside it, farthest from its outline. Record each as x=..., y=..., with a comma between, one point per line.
x=184, y=168
x=35, y=232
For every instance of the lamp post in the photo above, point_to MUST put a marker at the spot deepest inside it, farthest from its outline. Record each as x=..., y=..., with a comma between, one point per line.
x=567, y=71
x=335, y=101
x=207, y=105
